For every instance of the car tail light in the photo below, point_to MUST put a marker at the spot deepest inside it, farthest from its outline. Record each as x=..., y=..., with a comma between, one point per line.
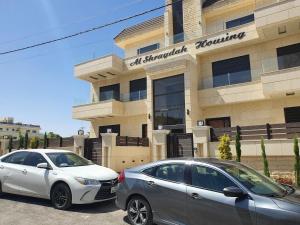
x=121, y=177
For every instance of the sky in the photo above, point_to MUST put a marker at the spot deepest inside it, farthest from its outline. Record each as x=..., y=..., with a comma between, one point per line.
x=37, y=86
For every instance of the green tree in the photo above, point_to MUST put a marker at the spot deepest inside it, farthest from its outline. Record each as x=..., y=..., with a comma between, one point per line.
x=21, y=141
x=10, y=144
x=238, y=147
x=34, y=143
x=297, y=162
x=264, y=156
x=53, y=135
x=45, y=141
x=26, y=141
x=224, y=148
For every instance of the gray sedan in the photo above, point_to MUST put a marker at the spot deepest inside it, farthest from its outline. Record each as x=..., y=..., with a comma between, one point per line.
x=205, y=192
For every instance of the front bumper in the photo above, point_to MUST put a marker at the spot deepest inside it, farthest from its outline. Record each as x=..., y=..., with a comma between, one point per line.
x=91, y=194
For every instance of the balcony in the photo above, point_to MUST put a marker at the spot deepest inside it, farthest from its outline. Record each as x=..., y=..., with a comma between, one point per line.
x=276, y=17
x=281, y=78
x=106, y=67
x=132, y=104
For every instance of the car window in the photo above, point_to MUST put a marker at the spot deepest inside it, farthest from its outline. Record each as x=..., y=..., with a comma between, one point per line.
x=150, y=171
x=171, y=172
x=34, y=158
x=208, y=178
x=16, y=158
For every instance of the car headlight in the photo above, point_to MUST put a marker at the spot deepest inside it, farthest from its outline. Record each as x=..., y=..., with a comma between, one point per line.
x=85, y=181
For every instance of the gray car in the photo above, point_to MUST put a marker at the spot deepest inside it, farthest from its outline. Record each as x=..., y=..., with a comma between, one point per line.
x=205, y=192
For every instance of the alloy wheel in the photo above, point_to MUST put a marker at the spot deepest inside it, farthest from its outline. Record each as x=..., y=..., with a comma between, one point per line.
x=138, y=212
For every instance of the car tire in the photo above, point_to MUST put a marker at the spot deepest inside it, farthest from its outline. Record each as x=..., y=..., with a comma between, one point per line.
x=139, y=212
x=61, y=196
x=1, y=193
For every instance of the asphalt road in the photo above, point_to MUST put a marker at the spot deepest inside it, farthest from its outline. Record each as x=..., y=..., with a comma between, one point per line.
x=16, y=210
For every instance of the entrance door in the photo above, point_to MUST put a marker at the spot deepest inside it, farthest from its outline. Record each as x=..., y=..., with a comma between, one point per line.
x=180, y=145
x=93, y=150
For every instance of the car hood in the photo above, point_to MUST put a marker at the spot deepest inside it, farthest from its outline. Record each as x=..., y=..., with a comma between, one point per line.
x=94, y=172
x=290, y=202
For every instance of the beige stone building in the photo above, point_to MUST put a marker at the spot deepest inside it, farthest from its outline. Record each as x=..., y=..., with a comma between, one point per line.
x=10, y=128
x=220, y=63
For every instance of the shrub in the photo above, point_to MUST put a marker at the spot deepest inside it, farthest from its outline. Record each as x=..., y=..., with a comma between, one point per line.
x=224, y=148
x=26, y=141
x=265, y=160
x=297, y=162
x=34, y=143
x=10, y=144
x=21, y=141
x=238, y=147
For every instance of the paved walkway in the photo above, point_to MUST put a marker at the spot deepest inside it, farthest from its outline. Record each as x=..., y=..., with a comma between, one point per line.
x=16, y=210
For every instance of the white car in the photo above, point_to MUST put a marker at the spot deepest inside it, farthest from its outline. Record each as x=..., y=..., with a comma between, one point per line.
x=61, y=176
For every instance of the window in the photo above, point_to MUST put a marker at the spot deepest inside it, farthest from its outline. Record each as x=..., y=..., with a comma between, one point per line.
x=240, y=21
x=292, y=114
x=148, y=48
x=113, y=128
x=210, y=179
x=169, y=102
x=150, y=171
x=288, y=56
x=110, y=92
x=16, y=158
x=177, y=21
x=231, y=71
x=171, y=172
x=33, y=159
x=34, y=131
x=219, y=122
x=138, y=89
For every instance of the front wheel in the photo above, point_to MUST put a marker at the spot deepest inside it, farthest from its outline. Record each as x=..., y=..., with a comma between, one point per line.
x=61, y=197
x=139, y=212
x=1, y=193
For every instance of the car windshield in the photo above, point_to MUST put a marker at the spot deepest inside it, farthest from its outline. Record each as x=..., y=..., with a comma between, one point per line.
x=254, y=181
x=68, y=159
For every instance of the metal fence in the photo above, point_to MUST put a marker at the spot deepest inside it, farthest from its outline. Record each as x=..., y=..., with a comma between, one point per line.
x=132, y=141
x=266, y=131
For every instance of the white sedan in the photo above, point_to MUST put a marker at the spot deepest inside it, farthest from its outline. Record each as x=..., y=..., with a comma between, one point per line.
x=61, y=176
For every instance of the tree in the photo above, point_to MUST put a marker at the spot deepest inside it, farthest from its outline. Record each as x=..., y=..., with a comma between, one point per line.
x=297, y=162
x=45, y=141
x=34, y=143
x=238, y=147
x=21, y=141
x=26, y=141
x=53, y=135
x=10, y=144
x=264, y=156
x=224, y=148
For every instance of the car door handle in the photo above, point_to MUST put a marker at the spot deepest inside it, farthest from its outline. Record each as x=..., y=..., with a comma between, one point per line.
x=1, y=167
x=196, y=196
x=150, y=183
x=24, y=171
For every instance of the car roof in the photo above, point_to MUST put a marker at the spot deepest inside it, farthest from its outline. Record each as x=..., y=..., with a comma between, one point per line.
x=209, y=161
x=42, y=150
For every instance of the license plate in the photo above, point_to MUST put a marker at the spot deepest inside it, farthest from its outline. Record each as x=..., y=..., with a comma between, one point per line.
x=113, y=189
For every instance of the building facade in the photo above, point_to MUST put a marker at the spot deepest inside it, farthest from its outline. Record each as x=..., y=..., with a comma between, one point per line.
x=224, y=63
x=8, y=128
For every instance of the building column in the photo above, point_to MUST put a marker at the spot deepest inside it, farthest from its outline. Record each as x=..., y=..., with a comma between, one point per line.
x=201, y=135
x=159, y=144
x=79, y=144
x=108, y=144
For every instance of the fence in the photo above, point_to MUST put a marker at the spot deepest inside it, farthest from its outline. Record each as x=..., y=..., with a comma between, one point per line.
x=267, y=131
x=132, y=141
x=51, y=143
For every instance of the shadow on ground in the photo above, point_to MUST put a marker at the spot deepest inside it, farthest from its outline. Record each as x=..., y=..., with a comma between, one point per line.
x=101, y=207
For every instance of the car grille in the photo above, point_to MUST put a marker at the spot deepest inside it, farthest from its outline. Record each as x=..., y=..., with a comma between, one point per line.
x=105, y=190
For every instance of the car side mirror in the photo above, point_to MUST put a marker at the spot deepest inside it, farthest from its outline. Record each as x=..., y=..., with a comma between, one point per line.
x=43, y=166
x=234, y=192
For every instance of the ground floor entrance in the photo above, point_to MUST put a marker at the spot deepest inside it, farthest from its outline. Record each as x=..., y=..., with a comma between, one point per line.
x=180, y=145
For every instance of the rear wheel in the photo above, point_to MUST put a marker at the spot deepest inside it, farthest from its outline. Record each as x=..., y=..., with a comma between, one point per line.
x=139, y=212
x=61, y=197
